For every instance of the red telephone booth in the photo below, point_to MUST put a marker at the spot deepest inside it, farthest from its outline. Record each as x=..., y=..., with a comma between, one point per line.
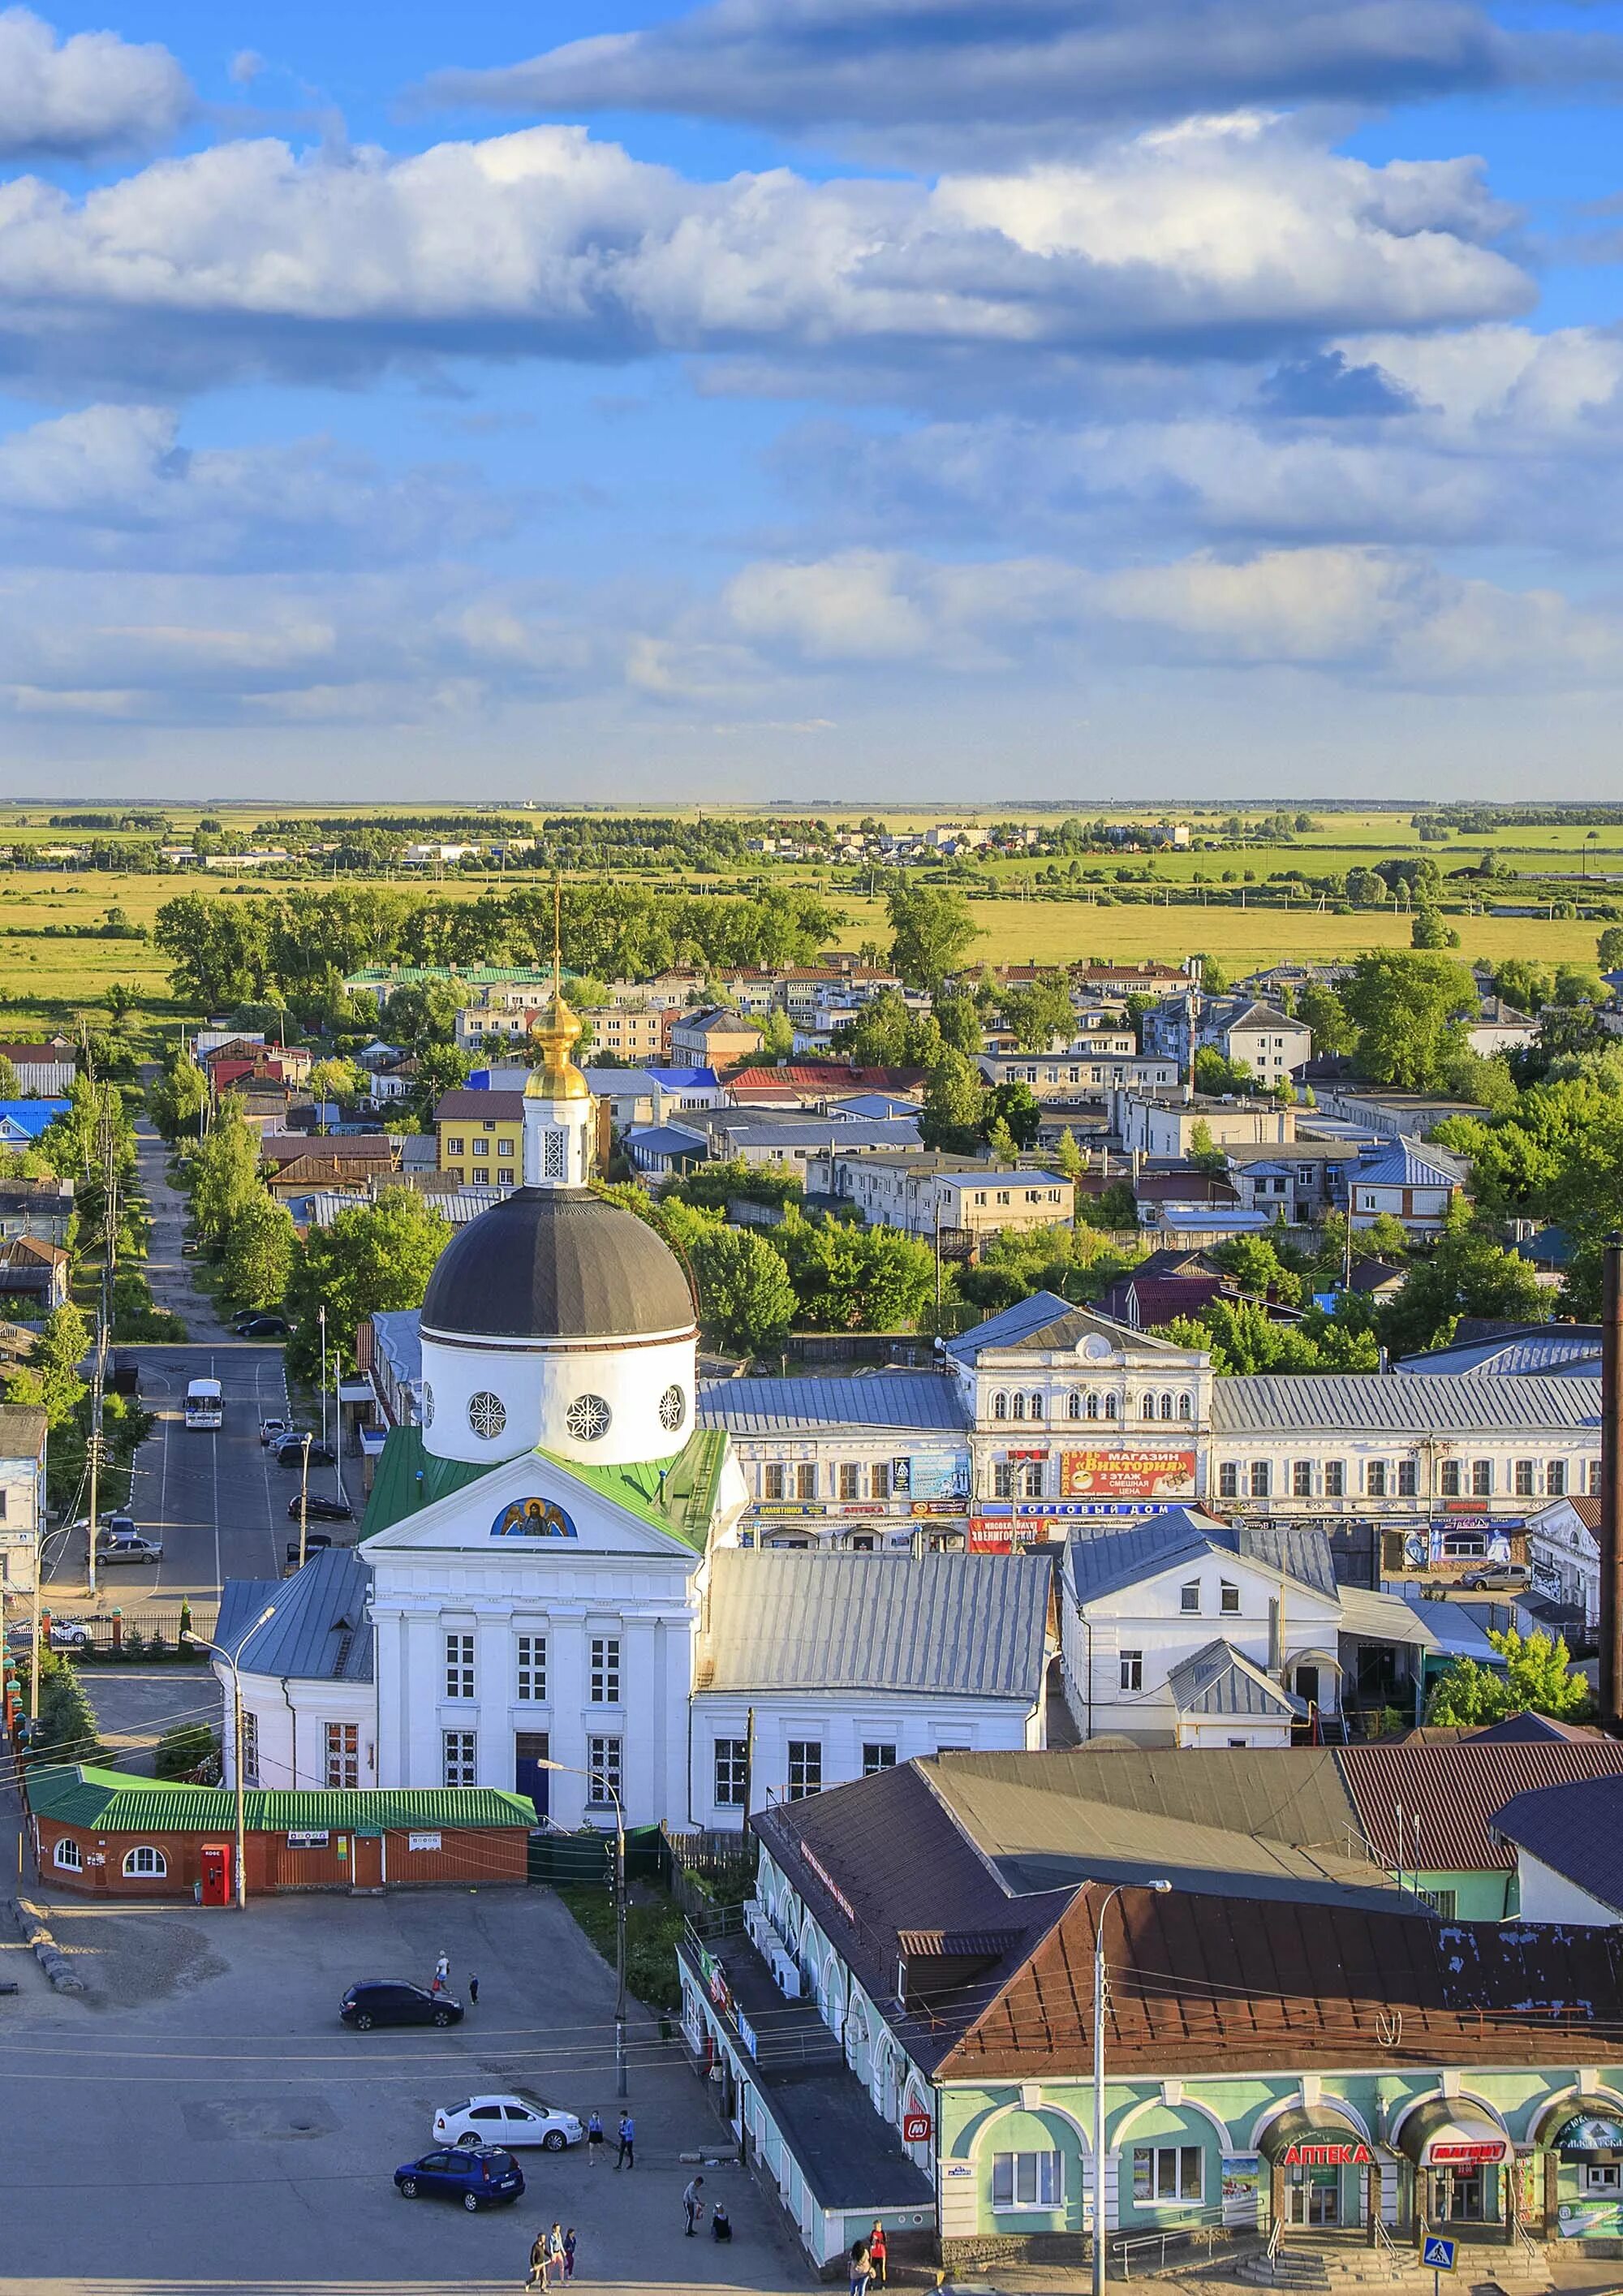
x=216, y=1874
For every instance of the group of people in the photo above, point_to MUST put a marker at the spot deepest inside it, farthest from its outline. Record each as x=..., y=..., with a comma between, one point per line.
x=442, y=1981
x=625, y=2158
x=693, y=2205
x=552, y=2257
x=869, y=2260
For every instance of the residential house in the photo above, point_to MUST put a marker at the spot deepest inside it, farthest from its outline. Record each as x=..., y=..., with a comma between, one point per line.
x=23, y=1496
x=1418, y=1187
x=1192, y=1225
x=1500, y=1028
x=1298, y=1184
x=41, y=1209
x=34, y=1275
x=1089, y=1068
x=927, y=1193
x=1166, y=1126
x=1243, y=1029
x=480, y=1135
x=713, y=1038
x=22, y=1121
x=768, y=1139
x=662, y=1151
x=43, y=1070
x=812, y=1669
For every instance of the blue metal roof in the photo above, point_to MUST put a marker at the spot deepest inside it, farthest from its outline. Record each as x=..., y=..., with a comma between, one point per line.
x=1220, y=1680
x=320, y=1631
x=32, y=1116
x=399, y=1334
x=907, y=1400
x=1015, y=1323
x=665, y=1140
x=703, y=1080
x=1103, y=1557
x=1402, y=1164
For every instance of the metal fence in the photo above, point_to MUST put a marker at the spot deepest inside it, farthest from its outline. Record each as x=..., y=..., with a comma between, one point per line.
x=114, y=1628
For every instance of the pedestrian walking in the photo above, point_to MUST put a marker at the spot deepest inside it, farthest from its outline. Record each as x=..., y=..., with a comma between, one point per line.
x=538, y=2260
x=862, y=2268
x=595, y=2138
x=693, y=2205
x=557, y=2255
x=625, y=2158
x=442, y=1975
x=568, y=2253
x=473, y=1990
x=878, y=2254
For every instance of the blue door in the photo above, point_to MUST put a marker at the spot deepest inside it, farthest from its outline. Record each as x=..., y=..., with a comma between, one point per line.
x=530, y=1749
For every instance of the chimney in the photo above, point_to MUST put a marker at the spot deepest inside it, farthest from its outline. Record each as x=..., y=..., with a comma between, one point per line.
x=1612, y=1488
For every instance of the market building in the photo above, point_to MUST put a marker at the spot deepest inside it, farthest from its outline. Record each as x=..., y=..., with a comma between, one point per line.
x=1312, y=2052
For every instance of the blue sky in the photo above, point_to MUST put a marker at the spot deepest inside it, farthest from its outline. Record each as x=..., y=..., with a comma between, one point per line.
x=822, y=399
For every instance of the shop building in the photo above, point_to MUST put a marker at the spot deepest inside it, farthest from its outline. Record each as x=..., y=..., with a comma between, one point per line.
x=1333, y=2060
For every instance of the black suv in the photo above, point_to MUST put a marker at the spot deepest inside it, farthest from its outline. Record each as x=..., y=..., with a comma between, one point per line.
x=385, y=2001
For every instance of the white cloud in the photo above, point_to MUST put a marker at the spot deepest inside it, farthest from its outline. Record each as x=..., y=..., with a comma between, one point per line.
x=246, y=261
x=1034, y=67
x=83, y=97
x=114, y=486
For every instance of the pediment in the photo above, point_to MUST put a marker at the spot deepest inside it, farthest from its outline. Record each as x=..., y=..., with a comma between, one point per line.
x=528, y=1506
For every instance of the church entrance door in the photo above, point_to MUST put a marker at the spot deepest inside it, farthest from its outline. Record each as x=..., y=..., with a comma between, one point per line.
x=530, y=1749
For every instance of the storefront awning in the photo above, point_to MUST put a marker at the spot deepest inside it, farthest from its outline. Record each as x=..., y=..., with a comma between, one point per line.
x=1582, y=2129
x=1451, y=2133
x=1314, y=2136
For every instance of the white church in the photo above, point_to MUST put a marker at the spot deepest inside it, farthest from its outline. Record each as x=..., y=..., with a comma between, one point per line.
x=549, y=1595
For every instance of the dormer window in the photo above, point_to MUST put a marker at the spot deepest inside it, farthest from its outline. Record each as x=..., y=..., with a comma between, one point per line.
x=1189, y=1595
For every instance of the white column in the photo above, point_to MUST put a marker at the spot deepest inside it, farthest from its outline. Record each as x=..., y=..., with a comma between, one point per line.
x=642, y=1694
x=492, y=1680
x=567, y=1683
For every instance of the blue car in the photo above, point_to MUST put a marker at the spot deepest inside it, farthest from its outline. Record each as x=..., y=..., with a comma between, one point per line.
x=473, y=2173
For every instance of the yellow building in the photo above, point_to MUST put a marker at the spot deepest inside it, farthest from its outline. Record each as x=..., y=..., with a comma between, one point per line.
x=481, y=1136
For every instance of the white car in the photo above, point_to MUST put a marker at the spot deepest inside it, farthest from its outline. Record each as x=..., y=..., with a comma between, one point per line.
x=513, y=2118
x=66, y=1634
x=272, y=1431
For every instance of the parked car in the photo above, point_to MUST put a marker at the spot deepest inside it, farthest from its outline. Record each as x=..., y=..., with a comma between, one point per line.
x=66, y=1634
x=314, y=1540
x=319, y=1508
x=263, y=1327
x=388, y=2001
x=273, y=1430
x=479, y=2176
x=128, y=1546
x=1507, y=1576
x=291, y=1453
x=516, y=2117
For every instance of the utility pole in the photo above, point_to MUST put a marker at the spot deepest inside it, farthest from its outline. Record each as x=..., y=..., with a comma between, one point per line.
x=304, y=1498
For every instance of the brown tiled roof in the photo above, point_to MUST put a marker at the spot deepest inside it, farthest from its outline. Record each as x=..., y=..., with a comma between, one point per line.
x=468, y=1107
x=1586, y=1508
x=1455, y=1791
x=358, y=1147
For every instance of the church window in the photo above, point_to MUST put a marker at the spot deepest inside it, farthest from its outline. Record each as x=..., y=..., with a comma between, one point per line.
x=487, y=1414
x=673, y=1410
x=459, y=1749
x=552, y=1155
x=603, y=1763
x=459, y=1666
x=605, y=1669
x=731, y=1773
x=532, y=1669
x=343, y=1750
x=588, y=1418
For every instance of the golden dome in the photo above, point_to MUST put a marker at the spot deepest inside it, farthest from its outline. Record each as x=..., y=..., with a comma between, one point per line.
x=558, y=1078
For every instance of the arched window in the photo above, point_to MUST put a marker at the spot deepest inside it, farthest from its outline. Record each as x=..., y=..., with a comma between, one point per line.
x=1148, y=1406
x=1073, y=1404
x=1019, y=1406
x=1110, y=1406
x=1093, y=1407
x=1037, y=1406
x=1000, y=1407
x=1166, y=1407
x=145, y=1863
x=67, y=1855
x=1185, y=1407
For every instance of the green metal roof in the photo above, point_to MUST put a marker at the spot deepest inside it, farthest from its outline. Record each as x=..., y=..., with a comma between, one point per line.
x=477, y=976
x=120, y=1804
x=408, y=1478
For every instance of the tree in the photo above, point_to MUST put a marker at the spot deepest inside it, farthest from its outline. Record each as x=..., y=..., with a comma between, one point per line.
x=378, y=1256
x=1538, y=1680
x=1407, y=1010
x=176, y=1097
x=261, y=1252
x=848, y=1278
x=777, y=1036
x=1001, y=1143
x=1015, y=1105
x=1038, y=1012
x=1521, y=982
x=1214, y=977
x=959, y=1022
x=335, y=1080
x=10, y=1088
x=746, y=1301
x=1428, y=930
x=1466, y=1275
x=49, y=1380
x=1320, y=1008
x=440, y=1069
x=1365, y=889
x=1256, y=1266
x=1069, y=1162
x=931, y=933
x=954, y=1102
x=1610, y=949
x=225, y=1173
x=66, y=1731
x=184, y=1748
x=1216, y=1074
x=1204, y=1153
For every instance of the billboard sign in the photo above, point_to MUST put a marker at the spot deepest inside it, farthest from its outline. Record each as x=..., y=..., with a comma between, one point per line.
x=934, y=1475
x=1126, y=1475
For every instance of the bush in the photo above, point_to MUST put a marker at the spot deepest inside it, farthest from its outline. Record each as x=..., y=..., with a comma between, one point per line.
x=182, y=1749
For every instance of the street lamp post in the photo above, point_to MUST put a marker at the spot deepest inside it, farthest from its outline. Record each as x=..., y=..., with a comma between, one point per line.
x=240, y=1877
x=1100, y=1995
x=612, y=1791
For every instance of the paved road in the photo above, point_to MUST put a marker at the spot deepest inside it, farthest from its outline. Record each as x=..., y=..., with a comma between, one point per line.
x=169, y=1273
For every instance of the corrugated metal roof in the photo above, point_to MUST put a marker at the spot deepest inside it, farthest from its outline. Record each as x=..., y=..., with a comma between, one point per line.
x=1576, y=1830
x=907, y=1400
x=1385, y=1618
x=1456, y=1790
x=1046, y=1321
x=1356, y=1403
x=1222, y=1680
x=969, y=1625
x=319, y=1630
x=408, y=1478
x=1402, y=1164
x=399, y=1334
x=1101, y=1557
x=109, y=1798
x=1555, y=1352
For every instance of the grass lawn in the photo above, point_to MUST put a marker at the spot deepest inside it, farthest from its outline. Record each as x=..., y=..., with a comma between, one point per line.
x=652, y=1927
